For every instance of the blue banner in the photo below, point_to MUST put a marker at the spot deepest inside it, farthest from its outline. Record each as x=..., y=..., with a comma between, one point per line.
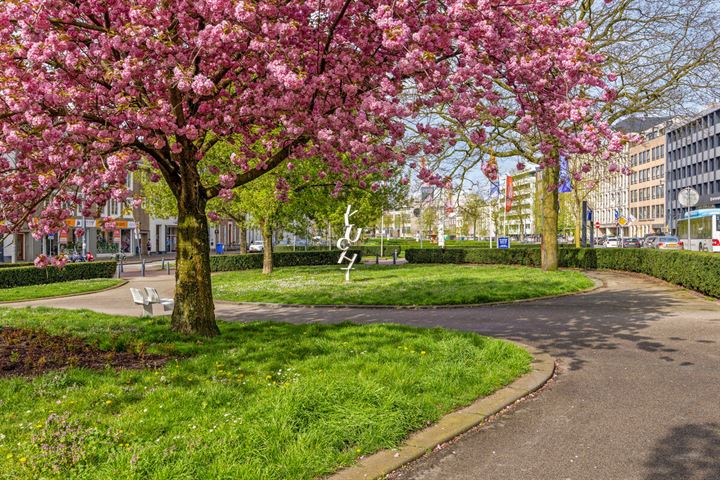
x=565, y=183
x=494, y=188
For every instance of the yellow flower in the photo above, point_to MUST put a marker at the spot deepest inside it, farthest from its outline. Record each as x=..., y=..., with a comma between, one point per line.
x=23, y=459
x=108, y=402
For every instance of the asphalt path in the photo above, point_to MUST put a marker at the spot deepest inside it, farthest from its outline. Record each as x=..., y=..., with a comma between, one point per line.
x=637, y=395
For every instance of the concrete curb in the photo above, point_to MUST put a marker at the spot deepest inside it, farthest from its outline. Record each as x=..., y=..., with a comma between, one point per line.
x=597, y=285
x=453, y=424
x=119, y=285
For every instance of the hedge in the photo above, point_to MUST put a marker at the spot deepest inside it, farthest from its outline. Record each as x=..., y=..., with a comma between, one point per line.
x=694, y=270
x=24, y=276
x=228, y=263
x=15, y=265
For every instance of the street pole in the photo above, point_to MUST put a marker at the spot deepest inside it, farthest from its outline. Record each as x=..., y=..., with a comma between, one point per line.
x=688, y=228
x=382, y=230
x=584, y=224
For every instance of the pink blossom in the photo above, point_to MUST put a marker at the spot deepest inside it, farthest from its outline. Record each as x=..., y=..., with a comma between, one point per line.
x=213, y=217
x=41, y=261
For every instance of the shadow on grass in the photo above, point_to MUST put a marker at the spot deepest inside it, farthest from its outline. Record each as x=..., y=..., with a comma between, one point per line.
x=563, y=326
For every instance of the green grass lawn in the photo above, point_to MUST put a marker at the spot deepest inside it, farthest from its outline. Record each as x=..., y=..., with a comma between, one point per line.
x=262, y=401
x=401, y=285
x=33, y=292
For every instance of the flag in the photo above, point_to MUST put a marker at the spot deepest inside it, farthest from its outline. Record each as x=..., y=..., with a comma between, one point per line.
x=617, y=214
x=565, y=182
x=494, y=189
x=509, y=193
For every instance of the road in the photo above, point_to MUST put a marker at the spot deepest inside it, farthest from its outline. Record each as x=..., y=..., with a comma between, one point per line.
x=637, y=397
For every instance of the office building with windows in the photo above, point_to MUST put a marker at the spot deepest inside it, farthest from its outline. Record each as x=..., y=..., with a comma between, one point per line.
x=647, y=183
x=693, y=160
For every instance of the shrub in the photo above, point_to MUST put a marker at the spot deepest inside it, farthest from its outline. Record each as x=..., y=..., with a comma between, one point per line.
x=227, y=263
x=374, y=250
x=520, y=256
x=24, y=276
x=16, y=265
x=694, y=270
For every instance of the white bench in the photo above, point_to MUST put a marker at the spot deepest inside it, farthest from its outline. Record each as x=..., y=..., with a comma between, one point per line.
x=167, y=303
x=150, y=297
x=139, y=298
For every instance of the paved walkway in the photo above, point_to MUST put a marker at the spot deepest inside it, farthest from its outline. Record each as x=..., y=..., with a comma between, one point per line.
x=638, y=396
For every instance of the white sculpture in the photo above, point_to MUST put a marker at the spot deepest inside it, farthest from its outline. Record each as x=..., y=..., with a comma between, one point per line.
x=346, y=241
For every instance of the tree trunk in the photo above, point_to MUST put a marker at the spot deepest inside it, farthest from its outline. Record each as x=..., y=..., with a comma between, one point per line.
x=243, y=237
x=550, y=210
x=194, y=311
x=267, y=248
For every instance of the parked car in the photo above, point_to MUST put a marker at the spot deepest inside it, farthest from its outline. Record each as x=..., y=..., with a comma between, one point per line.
x=256, y=246
x=600, y=241
x=669, y=242
x=631, y=242
x=649, y=241
x=612, y=242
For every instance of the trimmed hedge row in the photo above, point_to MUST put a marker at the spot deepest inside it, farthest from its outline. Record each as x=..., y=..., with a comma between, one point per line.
x=374, y=250
x=16, y=265
x=24, y=276
x=694, y=270
x=228, y=263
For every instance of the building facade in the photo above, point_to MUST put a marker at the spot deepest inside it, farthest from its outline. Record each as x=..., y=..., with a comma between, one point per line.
x=693, y=160
x=610, y=203
x=647, y=184
x=520, y=221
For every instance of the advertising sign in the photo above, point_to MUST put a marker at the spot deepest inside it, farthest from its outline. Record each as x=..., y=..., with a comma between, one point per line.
x=503, y=242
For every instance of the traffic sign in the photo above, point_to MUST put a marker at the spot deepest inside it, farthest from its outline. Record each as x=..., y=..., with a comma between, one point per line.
x=622, y=221
x=597, y=224
x=688, y=197
x=503, y=242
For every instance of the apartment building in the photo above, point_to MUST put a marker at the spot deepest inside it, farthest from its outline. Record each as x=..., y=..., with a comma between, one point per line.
x=616, y=208
x=520, y=219
x=693, y=160
x=647, y=183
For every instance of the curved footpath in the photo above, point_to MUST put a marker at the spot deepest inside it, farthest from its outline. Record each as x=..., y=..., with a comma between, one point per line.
x=637, y=397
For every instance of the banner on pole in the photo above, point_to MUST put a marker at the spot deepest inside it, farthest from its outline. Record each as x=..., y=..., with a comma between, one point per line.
x=565, y=182
x=509, y=193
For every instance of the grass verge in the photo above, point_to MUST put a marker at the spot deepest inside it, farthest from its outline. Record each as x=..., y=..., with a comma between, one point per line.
x=261, y=401
x=396, y=285
x=74, y=287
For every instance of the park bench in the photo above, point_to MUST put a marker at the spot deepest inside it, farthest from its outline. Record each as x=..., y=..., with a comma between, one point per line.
x=167, y=303
x=150, y=297
x=139, y=298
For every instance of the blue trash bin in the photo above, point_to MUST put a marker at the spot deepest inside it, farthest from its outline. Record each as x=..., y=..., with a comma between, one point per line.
x=220, y=248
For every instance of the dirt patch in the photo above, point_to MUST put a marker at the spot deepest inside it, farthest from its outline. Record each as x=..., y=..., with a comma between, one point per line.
x=28, y=352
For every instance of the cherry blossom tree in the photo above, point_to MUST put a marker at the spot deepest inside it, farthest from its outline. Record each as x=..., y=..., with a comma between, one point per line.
x=92, y=89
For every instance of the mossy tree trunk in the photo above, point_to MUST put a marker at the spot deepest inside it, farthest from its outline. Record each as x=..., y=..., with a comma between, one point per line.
x=194, y=311
x=550, y=205
x=242, y=226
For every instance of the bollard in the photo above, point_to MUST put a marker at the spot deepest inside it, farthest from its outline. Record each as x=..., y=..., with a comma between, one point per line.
x=162, y=265
x=142, y=268
x=377, y=259
x=395, y=257
x=117, y=270
x=168, y=268
x=122, y=267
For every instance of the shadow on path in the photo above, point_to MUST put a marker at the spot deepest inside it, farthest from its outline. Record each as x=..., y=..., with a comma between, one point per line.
x=688, y=452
